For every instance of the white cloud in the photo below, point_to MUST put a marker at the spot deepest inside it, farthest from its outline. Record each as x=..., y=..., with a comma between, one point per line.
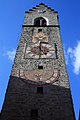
x=11, y=54
x=66, y=57
x=76, y=61
x=73, y=54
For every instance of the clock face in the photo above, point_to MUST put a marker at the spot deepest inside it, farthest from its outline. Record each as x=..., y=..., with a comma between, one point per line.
x=40, y=50
x=41, y=76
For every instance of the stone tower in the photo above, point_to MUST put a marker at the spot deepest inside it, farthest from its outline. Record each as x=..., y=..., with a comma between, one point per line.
x=38, y=88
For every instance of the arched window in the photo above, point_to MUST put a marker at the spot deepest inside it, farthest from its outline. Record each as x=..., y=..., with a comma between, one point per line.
x=40, y=21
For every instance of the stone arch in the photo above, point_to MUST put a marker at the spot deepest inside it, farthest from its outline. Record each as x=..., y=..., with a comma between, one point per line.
x=40, y=21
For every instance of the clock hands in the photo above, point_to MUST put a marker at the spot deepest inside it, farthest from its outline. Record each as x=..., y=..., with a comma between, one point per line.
x=42, y=50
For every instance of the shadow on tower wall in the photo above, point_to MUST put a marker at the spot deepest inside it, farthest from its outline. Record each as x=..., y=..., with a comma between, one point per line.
x=24, y=101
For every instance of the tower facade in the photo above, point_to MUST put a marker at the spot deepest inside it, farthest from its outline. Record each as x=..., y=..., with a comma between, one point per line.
x=38, y=88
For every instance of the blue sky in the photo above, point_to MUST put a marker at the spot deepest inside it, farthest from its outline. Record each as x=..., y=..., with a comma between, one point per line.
x=11, y=20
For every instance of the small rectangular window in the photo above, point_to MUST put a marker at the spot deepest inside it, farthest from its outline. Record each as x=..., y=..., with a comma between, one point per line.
x=56, y=51
x=39, y=30
x=34, y=114
x=40, y=90
x=40, y=67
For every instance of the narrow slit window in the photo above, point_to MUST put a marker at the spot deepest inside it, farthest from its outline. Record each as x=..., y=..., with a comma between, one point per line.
x=40, y=67
x=34, y=114
x=40, y=90
x=39, y=30
x=56, y=51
